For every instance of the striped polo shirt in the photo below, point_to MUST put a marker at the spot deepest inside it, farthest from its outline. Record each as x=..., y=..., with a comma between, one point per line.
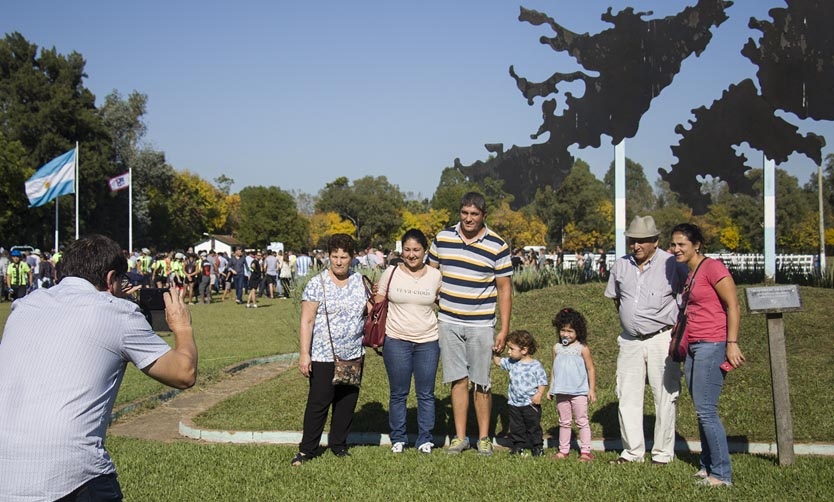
x=468, y=294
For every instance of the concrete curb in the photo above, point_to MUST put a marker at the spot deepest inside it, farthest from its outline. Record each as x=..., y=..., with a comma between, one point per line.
x=187, y=429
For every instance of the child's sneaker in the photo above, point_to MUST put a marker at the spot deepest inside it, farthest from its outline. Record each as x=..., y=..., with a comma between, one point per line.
x=397, y=447
x=457, y=445
x=485, y=447
x=538, y=452
x=425, y=448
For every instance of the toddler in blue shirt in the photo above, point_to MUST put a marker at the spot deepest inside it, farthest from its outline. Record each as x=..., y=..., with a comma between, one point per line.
x=528, y=383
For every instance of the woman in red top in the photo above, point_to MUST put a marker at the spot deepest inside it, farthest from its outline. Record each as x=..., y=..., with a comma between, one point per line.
x=712, y=321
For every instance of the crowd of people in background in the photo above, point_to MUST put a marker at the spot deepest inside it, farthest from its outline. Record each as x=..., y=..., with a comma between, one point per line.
x=241, y=275
x=23, y=271
x=202, y=277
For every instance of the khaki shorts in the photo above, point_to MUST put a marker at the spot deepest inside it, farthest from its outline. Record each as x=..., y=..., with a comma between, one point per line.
x=466, y=352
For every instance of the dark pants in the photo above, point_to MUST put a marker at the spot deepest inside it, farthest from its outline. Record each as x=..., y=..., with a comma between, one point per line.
x=18, y=292
x=99, y=489
x=526, y=426
x=323, y=394
x=238, y=282
x=205, y=288
x=285, y=285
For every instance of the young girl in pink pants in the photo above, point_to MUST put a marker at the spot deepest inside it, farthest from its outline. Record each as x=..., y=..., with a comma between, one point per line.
x=572, y=382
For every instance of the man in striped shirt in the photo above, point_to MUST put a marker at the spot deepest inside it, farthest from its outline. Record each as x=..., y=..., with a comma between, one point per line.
x=476, y=268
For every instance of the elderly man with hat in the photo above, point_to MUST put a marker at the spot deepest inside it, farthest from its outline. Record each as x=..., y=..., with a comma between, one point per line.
x=644, y=285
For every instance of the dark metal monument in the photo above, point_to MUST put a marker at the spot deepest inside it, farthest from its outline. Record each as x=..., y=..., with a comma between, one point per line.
x=636, y=59
x=795, y=57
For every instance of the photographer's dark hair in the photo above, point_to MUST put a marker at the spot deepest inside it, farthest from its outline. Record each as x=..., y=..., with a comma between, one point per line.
x=343, y=242
x=90, y=258
x=524, y=340
x=569, y=317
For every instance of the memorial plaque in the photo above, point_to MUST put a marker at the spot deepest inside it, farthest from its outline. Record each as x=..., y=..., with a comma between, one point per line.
x=773, y=299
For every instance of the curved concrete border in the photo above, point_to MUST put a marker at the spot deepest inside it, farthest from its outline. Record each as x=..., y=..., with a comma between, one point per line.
x=187, y=429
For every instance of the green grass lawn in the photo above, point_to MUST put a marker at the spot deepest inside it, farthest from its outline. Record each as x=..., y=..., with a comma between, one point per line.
x=227, y=333
x=746, y=404
x=210, y=472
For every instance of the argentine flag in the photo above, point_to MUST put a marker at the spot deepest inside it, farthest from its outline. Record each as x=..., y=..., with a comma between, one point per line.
x=54, y=179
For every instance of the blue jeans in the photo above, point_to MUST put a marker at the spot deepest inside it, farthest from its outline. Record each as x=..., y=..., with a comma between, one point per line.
x=705, y=379
x=403, y=359
x=237, y=280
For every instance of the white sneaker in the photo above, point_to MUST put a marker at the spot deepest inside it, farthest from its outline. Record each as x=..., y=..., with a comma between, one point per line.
x=247, y=305
x=397, y=447
x=254, y=306
x=425, y=448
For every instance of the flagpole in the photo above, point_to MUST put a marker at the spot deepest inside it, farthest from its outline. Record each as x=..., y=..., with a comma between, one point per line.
x=77, y=161
x=56, y=225
x=130, y=210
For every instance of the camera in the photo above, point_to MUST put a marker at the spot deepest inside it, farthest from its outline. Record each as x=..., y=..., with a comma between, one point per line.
x=152, y=305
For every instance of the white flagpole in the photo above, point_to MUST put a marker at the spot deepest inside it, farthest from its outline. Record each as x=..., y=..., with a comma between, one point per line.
x=130, y=210
x=56, y=225
x=77, y=184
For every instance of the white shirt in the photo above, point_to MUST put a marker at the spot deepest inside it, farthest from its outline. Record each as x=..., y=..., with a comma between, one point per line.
x=62, y=358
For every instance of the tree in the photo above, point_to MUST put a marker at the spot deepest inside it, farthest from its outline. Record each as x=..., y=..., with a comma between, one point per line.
x=581, y=199
x=640, y=198
x=153, y=182
x=430, y=223
x=517, y=228
x=46, y=109
x=13, y=175
x=372, y=204
x=670, y=211
x=269, y=214
x=450, y=190
x=192, y=207
x=123, y=118
x=224, y=184
x=323, y=225
x=151, y=175
x=305, y=202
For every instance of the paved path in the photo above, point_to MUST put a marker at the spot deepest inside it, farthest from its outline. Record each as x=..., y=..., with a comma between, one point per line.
x=162, y=422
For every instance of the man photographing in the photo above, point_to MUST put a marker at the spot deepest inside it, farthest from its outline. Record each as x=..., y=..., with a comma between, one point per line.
x=62, y=358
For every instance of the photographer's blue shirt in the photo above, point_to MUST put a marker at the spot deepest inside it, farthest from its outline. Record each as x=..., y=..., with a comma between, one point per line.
x=62, y=358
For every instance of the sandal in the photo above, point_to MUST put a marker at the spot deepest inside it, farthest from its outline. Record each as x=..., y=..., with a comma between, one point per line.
x=299, y=459
x=559, y=456
x=586, y=457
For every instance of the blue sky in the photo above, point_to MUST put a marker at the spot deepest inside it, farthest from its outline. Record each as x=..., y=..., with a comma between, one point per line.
x=295, y=94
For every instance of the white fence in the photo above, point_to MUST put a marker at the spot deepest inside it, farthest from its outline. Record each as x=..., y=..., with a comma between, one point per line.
x=801, y=263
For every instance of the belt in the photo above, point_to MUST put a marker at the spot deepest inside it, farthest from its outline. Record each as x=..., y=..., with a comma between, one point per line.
x=646, y=336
